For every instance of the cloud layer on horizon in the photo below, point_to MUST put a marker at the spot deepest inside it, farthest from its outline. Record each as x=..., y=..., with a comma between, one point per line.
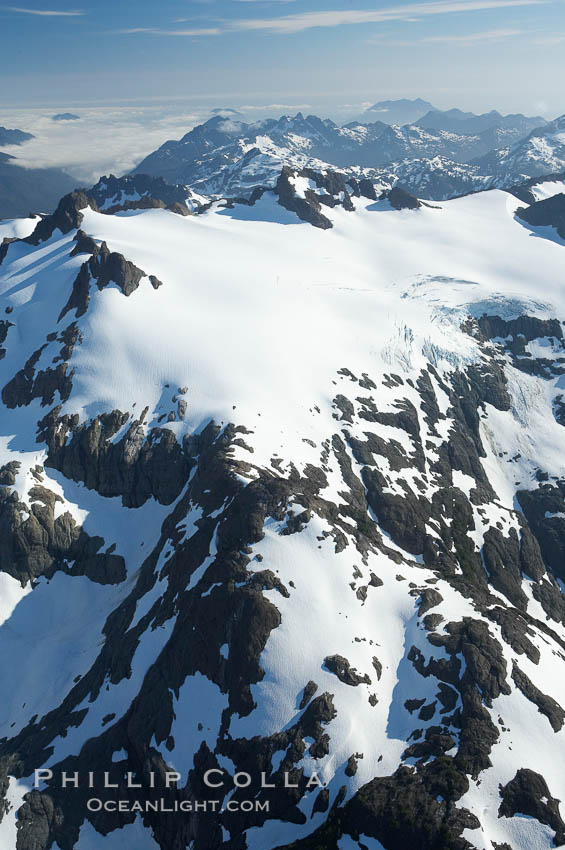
x=104, y=140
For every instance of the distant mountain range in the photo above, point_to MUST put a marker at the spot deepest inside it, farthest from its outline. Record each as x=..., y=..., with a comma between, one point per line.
x=224, y=155
x=467, y=123
x=439, y=155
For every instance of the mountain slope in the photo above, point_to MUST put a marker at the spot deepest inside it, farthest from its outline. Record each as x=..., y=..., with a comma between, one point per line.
x=539, y=188
x=13, y=137
x=456, y=121
x=293, y=496
x=25, y=189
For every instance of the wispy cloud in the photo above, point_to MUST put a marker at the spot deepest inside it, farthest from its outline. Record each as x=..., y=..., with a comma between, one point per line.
x=308, y=20
x=290, y=24
x=473, y=37
x=463, y=40
x=46, y=13
x=157, y=31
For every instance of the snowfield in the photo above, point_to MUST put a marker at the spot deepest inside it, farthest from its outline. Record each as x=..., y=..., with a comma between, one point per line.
x=328, y=299
x=261, y=320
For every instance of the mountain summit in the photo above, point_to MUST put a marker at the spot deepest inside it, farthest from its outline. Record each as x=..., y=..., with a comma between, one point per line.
x=397, y=111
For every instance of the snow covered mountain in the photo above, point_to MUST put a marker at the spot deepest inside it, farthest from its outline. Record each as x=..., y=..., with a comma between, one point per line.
x=282, y=497
x=239, y=171
x=225, y=156
x=541, y=152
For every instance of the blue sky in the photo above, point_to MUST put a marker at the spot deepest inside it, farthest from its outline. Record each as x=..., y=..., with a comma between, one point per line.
x=476, y=54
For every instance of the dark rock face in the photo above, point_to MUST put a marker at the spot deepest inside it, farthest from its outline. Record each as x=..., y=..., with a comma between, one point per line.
x=558, y=408
x=515, y=631
x=30, y=383
x=513, y=336
x=503, y=563
x=33, y=542
x=84, y=244
x=105, y=267
x=528, y=794
x=547, y=213
x=483, y=679
x=4, y=245
x=309, y=691
x=8, y=473
x=546, y=705
x=136, y=467
x=400, y=199
x=118, y=193
x=399, y=812
x=334, y=184
x=109, y=267
x=367, y=189
x=542, y=508
x=66, y=217
x=306, y=210
x=332, y=190
x=5, y=326
x=524, y=329
x=340, y=666
x=429, y=599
